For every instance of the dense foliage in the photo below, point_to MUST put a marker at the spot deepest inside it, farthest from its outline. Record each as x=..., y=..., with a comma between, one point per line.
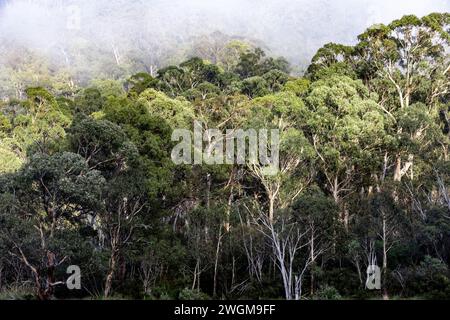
x=87, y=177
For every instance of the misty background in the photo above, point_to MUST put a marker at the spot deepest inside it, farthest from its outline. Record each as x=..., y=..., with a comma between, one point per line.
x=142, y=35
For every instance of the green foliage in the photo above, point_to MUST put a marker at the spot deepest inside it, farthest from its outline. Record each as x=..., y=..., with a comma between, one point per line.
x=140, y=82
x=86, y=176
x=299, y=86
x=187, y=294
x=328, y=293
x=90, y=100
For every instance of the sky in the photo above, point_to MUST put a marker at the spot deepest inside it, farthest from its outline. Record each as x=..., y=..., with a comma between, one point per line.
x=292, y=28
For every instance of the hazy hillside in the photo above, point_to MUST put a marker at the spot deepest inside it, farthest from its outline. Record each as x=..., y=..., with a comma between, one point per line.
x=86, y=39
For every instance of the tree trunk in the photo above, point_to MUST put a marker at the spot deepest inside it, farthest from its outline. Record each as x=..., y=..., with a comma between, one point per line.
x=313, y=261
x=51, y=262
x=271, y=207
x=398, y=170
x=216, y=263
x=385, y=293
x=345, y=216
x=298, y=288
x=208, y=190
x=401, y=171
x=335, y=189
x=122, y=270
x=194, y=281
x=1, y=277
x=227, y=224
x=358, y=268
x=110, y=275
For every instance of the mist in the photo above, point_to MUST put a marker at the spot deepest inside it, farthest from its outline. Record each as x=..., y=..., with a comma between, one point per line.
x=65, y=30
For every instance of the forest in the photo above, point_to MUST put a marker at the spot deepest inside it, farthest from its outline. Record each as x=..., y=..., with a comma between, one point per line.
x=87, y=181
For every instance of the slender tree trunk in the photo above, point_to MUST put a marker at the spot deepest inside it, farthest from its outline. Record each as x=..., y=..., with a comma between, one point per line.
x=208, y=190
x=233, y=272
x=298, y=287
x=216, y=263
x=110, y=275
x=401, y=171
x=227, y=224
x=271, y=207
x=208, y=201
x=122, y=268
x=345, y=217
x=335, y=188
x=313, y=261
x=194, y=281
x=51, y=266
x=385, y=292
x=198, y=279
x=398, y=170
x=358, y=268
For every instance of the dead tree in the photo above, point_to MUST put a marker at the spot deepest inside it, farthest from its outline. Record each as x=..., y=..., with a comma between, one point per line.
x=287, y=239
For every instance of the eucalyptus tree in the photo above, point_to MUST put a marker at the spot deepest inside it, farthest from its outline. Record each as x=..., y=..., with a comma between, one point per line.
x=282, y=184
x=106, y=148
x=40, y=122
x=319, y=216
x=390, y=225
x=41, y=205
x=288, y=240
x=407, y=63
x=333, y=58
x=347, y=130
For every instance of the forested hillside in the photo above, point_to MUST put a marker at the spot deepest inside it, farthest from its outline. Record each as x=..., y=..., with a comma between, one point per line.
x=87, y=178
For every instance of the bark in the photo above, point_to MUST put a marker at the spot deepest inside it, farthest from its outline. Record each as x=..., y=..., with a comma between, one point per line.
x=400, y=170
x=51, y=266
x=285, y=248
x=313, y=261
x=208, y=191
x=271, y=207
x=227, y=224
x=194, y=281
x=385, y=293
x=335, y=189
x=216, y=263
x=358, y=268
x=111, y=272
x=44, y=283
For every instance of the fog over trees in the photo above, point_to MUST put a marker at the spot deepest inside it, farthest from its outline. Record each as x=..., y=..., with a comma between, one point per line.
x=91, y=93
x=137, y=34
